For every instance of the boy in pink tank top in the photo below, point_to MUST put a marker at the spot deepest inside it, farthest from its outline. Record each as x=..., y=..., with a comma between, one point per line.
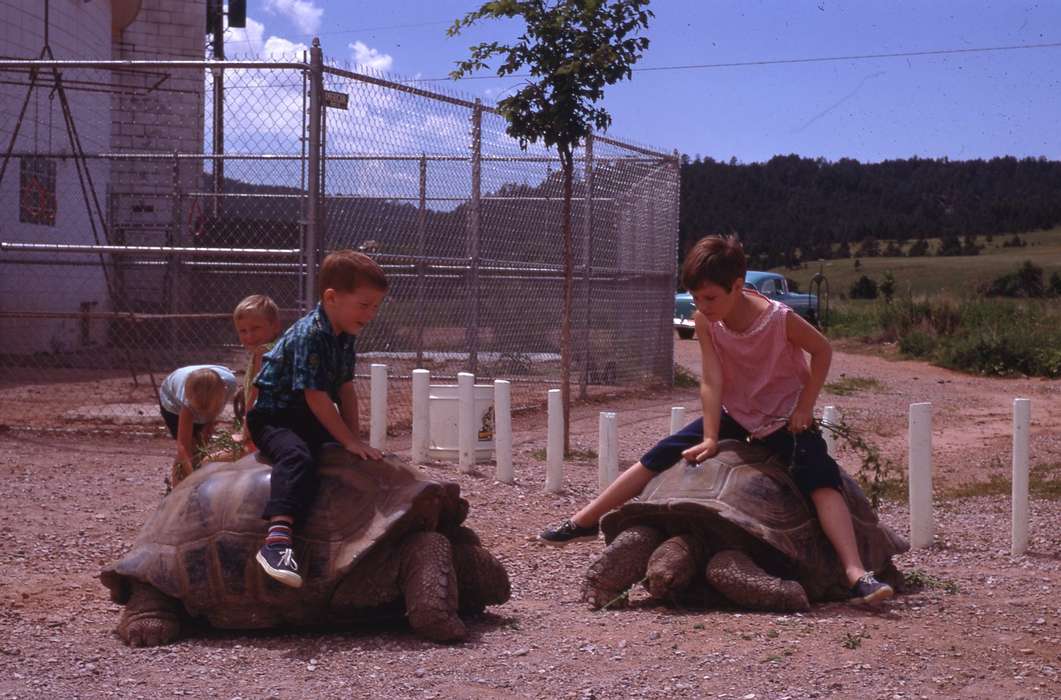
x=755, y=385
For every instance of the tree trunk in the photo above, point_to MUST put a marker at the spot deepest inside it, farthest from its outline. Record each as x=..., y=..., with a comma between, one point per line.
x=567, y=161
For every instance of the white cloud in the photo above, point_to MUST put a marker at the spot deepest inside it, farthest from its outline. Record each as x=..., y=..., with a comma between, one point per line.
x=304, y=13
x=370, y=58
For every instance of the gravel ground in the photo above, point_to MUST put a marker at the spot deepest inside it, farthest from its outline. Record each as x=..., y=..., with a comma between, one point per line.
x=986, y=625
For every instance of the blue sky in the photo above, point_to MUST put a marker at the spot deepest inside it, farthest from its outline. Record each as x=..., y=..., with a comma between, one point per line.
x=958, y=105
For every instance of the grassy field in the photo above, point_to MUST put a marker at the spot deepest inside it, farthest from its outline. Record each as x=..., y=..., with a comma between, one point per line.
x=956, y=277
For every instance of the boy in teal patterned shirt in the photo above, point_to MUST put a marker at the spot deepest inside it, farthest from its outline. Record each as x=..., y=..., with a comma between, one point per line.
x=307, y=374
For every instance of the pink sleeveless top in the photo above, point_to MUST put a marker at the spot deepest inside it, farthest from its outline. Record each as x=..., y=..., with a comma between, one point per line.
x=762, y=372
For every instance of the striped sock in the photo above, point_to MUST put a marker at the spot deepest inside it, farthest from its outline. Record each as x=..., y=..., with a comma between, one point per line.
x=279, y=535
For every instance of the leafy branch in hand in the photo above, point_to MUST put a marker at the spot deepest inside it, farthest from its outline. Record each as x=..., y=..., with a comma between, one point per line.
x=874, y=471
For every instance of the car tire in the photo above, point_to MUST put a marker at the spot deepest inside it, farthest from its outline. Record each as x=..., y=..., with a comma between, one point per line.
x=685, y=333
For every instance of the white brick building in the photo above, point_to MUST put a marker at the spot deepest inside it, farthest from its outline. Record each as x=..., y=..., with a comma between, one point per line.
x=41, y=198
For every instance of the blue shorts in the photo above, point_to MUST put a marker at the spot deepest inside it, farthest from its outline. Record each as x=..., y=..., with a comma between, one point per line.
x=806, y=453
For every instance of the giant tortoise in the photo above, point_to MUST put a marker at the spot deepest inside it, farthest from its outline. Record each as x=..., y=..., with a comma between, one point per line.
x=379, y=542
x=736, y=529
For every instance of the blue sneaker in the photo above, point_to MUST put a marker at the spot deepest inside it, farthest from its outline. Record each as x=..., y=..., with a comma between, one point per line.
x=279, y=562
x=567, y=532
x=869, y=591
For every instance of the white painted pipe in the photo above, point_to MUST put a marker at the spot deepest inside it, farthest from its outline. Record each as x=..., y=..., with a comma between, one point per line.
x=554, y=448
x=503, y=431
x=831, y=418
x=467, y=433
x=677, y=419
x=1022, y=416
x=377, y=431
x=607, y=451
x=922, y=526
x=421, y=415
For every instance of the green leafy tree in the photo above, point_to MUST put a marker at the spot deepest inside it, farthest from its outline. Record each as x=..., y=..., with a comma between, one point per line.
x=887, y=286
x=572, y=49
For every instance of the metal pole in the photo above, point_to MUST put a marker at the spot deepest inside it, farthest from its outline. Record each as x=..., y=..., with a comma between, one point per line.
x=587, y=265
x=421, y=236
x=303, y=145
x=219, y=106
x=313, y=190
x=474, y=232
x=173, y=289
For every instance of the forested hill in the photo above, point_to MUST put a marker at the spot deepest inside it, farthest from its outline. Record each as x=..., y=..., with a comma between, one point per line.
x=791, y=203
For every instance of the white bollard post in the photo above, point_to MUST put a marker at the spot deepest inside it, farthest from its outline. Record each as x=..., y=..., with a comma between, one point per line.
x=554, y=448
x=377, y=430
x=831, y=417
x=922, y=526
x=677, y=418
x=1022, y=416
x=421, y=415
x=503, y=431
x=467, y=434
x=607, y=451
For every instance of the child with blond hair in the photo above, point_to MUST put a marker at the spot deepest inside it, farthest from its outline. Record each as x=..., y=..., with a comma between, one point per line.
x=191, y=399
x=257, y=321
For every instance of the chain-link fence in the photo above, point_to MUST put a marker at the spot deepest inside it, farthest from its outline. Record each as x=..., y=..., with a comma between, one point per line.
x=135, y=217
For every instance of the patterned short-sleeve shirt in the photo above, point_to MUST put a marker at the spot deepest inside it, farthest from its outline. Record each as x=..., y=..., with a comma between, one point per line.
x=309, y=355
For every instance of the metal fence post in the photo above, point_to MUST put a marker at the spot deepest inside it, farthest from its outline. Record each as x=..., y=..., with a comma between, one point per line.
x=175, y=288
x=587, y=266
x=313, y=190
x=421, y=236
x=474, y=232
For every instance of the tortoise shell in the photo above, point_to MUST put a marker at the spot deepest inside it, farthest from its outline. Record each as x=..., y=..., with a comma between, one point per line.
x=743, y=498
x=199, y=545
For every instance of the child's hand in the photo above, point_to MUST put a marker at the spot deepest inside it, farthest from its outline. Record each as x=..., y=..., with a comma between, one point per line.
x=800, y=420
x=362, y=450
x=698, y=453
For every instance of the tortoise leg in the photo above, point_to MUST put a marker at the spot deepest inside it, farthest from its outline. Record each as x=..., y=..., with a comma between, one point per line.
x=741, y=580
x=621, y=565
x=481, y=578
x=150, y=619
x=673, y=566
x=429, y=582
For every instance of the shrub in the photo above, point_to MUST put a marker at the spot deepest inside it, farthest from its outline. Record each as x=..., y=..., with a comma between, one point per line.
x=917, y=343
x=864, y=288
x=1055, y=284
x=887, y=286
x=1026, y=281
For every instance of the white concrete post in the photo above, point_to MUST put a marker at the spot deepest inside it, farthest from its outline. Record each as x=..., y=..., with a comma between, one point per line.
x=1022, y=416
x=607, y=451
x=554, y=448
x=421, y=415
x=467, y=430
x=831, y=417
x=922, y=526
x=377, y=431
x=503, y=431
x=677, y=418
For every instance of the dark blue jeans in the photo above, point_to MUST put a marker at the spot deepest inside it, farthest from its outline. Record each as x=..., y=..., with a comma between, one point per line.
x=291, y=439
x=806, y=453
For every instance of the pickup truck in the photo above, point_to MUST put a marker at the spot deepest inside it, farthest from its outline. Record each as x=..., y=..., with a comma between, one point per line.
x=770, y=284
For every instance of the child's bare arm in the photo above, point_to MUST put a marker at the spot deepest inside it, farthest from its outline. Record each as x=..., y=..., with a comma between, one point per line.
x=321, y=404
x=185, y=436
x=348, y=410
x=806, y=337
x=710, y=394
x=256, y=366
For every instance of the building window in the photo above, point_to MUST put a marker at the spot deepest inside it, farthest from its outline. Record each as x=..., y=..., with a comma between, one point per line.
x=36, y=201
